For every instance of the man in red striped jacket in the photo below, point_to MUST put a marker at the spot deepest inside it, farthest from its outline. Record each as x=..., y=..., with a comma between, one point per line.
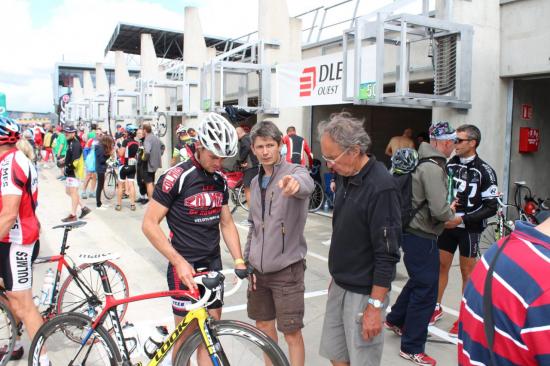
x=519, y=302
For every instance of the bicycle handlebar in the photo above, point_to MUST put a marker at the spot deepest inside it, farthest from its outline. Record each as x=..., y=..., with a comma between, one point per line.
x=212, y=282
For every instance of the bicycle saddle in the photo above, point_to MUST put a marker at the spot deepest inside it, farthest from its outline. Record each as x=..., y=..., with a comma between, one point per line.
x=71, y=225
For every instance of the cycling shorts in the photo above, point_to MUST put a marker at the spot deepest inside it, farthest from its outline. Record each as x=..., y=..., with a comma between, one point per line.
x=16, y=265
x=127, y=172
x=174, y=283
x=467, y=242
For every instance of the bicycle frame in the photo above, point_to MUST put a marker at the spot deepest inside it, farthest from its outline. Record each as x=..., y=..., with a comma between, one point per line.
x=201, y=315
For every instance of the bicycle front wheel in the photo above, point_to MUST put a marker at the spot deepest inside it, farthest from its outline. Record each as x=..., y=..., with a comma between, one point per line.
x=109, y=188
x=316, y=198
x=237, y=343
x=75, y=295
x=8, y=333
x=69, y=339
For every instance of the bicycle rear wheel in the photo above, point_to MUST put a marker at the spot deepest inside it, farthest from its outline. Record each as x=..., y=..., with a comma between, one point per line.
x=8, y=333
x=68, y=339
x=233, y=201
x=242, y=198
x=73, y=299
x=236, y=343
x=316, y=198
x=109, y=188
x=490, y=235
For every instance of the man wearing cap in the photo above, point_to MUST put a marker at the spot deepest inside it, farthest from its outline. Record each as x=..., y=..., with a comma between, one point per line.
x=410, y=315
x=74, y=151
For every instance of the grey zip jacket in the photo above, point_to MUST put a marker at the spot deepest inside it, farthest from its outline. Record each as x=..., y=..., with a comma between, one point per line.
x=429, y=183
x=276, y=235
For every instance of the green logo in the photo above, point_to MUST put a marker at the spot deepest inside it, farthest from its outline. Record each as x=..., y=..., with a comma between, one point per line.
x=367, y=91
x=3, y=109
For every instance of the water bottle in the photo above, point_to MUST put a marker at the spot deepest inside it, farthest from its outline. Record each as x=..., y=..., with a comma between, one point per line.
x=47, y=288
x=326, y=206
x=155, y=340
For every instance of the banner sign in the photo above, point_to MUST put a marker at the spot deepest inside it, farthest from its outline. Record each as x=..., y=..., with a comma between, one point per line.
x=3, y=109
x=318, y=80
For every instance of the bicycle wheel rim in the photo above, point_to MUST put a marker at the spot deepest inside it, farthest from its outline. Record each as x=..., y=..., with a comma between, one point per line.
x=241, y=197
x=62, y=339
x=110, y=186
x=241, y=344
x=8, y=333
x=233, y=201
x=316, y=198
x=72, y=299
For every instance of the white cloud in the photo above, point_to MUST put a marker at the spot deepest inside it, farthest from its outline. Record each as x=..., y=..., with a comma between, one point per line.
x=79, y=30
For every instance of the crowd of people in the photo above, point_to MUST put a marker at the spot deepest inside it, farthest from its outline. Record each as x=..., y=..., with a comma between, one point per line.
x=427, y=206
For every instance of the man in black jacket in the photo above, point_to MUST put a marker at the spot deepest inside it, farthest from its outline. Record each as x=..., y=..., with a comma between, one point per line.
x=364, y=245
x=74, y=152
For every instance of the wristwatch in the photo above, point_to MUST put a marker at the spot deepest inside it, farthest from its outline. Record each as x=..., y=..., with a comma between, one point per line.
x=377, y=304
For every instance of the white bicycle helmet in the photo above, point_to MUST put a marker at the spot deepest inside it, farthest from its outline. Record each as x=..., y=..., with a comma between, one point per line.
x=216, y=134
x=181, y=129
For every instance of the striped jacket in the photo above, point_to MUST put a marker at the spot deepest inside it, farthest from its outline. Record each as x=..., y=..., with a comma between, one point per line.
x=521, y=303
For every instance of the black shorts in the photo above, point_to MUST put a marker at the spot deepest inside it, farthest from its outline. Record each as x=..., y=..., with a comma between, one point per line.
x=174, y=283
x=16, y=265
x=149, y=177
x=467, y=242
x=128, y=172
x=249, y=174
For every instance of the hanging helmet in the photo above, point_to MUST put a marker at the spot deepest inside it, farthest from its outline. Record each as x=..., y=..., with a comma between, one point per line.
x=9, y=131
x=216, y=134
x=181, y=129
x=404, y=161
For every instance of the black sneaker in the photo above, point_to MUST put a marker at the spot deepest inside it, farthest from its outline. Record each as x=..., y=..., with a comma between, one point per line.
x=84, y=212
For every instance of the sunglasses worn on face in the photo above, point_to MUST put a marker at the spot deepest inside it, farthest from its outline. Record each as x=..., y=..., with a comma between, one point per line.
x=458, y=140
x=333, y=161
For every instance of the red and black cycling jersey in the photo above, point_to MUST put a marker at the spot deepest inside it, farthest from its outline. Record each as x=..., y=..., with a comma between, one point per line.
x=474, y=184
x=194, y=199
x=131, y=148
x=18, y=177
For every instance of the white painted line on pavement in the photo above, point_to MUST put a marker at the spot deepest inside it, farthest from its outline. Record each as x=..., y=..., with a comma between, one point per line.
x=315, y=255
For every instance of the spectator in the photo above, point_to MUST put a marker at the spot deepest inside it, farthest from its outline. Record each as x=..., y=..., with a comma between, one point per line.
x=364, y=246
x=91, y=177
x=276, y=294
x=181, y=153
x=103, y=151
x=48, y=141
x=74, y=152
x=152, y=153
x=474, y=187
x=60, y=150
x=297, y=148
x=399, y=142
x=505, y=312
x=247, y=160
x=127, y=154
x=411, y=313
x=141, y=168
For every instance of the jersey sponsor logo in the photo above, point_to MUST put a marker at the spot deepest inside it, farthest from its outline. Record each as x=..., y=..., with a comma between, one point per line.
x=170, y=178
x=5, y=173
x=204, y=201
x=22, y=260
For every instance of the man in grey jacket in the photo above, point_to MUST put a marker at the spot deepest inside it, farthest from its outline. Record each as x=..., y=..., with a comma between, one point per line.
x=276, y=246
x=413, y=308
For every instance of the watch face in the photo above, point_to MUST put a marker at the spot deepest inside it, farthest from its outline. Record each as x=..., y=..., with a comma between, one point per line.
x=376, y=303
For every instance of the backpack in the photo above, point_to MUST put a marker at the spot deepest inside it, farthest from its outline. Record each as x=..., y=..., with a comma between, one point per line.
x=403, y=182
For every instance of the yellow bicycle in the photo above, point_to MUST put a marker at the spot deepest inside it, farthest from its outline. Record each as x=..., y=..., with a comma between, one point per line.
x=75, y=339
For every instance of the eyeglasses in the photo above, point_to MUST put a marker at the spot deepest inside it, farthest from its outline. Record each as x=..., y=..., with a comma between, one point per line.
x=459, y=140
x=333, y=161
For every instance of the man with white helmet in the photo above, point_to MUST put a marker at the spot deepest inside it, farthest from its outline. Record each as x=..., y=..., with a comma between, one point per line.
x=193, y=196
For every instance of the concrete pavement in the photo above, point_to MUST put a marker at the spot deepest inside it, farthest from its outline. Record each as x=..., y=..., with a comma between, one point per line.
x=109, y=230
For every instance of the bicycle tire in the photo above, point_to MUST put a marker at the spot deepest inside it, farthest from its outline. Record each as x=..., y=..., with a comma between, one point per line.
x=8, y=333
x=234, y=331
x=162, y=124
x=233, y=201
x=109, y=188
x=316, y=198
x=242, y=198
x=490, y=235
x=62, y=348
x=68, y=300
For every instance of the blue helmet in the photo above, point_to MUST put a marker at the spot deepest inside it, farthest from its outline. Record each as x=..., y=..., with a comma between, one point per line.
x=131, y=128
x=9, y=131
